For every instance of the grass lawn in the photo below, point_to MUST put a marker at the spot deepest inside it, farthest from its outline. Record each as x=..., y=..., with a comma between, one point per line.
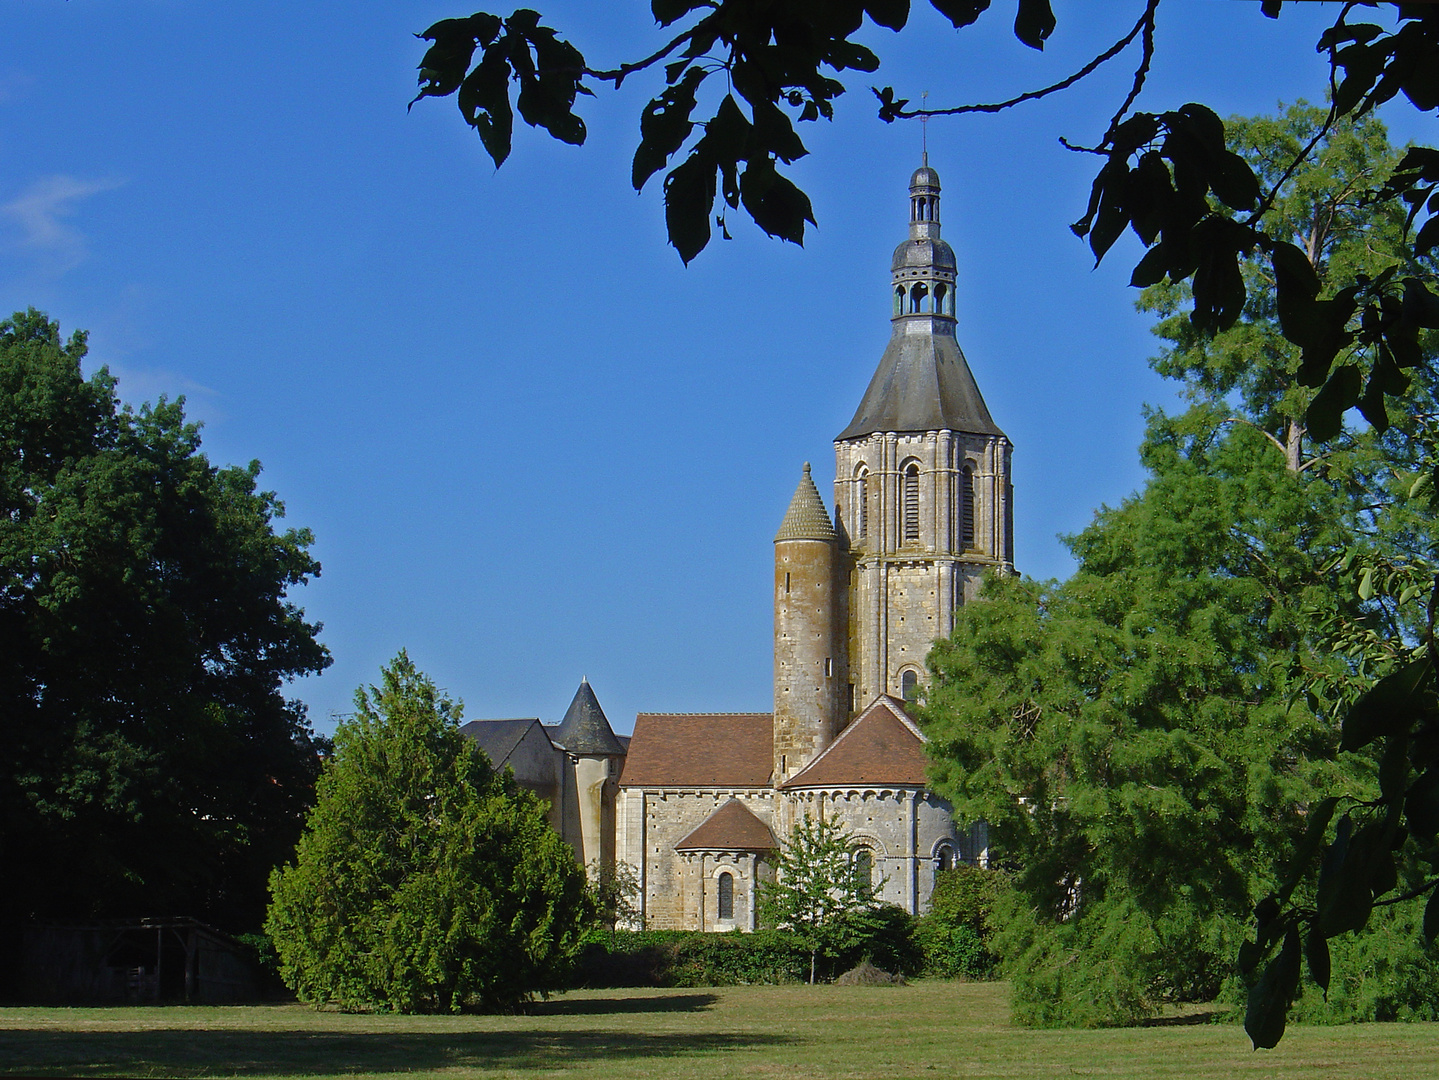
x=923, y=1030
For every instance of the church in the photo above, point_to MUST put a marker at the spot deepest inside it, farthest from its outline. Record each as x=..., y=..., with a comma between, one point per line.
x=699, y=803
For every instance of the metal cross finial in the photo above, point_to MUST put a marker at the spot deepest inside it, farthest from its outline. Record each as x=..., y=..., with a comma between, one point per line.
x=924, y=126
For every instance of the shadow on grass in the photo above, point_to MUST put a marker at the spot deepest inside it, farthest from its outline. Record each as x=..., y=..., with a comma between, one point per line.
x=1208, y=1016
x=186, y=1053
x=601, y=1006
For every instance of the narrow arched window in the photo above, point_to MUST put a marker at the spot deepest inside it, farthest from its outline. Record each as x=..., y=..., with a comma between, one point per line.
x=899, y=299
x=864, y=866
x=916, y=297
x=966, y=507
x=911, y=502
x=726, y=896
x=861, y=529
x=941, y=292
x=908, y=681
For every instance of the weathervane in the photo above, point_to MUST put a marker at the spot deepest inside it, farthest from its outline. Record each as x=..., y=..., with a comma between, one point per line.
x=924, y=125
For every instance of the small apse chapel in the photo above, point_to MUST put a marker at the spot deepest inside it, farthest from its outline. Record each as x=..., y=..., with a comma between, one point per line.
x=698, y=803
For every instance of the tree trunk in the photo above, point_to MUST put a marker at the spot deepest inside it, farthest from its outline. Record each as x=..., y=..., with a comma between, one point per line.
x=1294, y=446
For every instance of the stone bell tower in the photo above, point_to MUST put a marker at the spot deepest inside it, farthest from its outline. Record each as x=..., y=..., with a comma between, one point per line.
x=922, y=482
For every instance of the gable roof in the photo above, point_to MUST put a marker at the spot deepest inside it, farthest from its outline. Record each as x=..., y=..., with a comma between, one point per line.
x=585, y=728
x=498, y=738
x=700, y=750
x=881, y=746
x=733, y=827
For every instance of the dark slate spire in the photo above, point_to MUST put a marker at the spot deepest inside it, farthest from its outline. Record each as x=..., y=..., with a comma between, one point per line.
x=585, y=730
x=806, y=518
x=923, y=382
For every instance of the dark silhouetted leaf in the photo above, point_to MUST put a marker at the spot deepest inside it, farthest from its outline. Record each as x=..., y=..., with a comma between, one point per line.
x=1250, y=953
x=1234, y=181
x=1271, y=8
x=1388, y=707
x=667, y=11
x=960, y=13
x=1325, y=415
x=1151, y=268
x=1315, y=828
x=664, y=126
x=689, y=195
x=1269, y=998
x=892, y=14
x=1316, y=954
x=1034, y=22
x=1421, y=805
x=1431, y=917
x=1427, y=237
x=1343, y=900
x=777, y=206
x=1421, y=307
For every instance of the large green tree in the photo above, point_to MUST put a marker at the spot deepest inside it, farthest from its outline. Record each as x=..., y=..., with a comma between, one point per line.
x=152, y=764
x=1145, y=737
x=425, y=881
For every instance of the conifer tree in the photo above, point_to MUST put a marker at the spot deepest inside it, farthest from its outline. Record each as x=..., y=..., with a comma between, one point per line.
x=425, y=881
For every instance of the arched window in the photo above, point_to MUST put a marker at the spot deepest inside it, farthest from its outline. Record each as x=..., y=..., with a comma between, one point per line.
x=908, y=683
x=966, y=507
x=899, y=299
x=944, y=858
x=864, y=866
x=726, y=896
x=861, y=526
x=941, y=291
x=911, y=502
x=917, y=293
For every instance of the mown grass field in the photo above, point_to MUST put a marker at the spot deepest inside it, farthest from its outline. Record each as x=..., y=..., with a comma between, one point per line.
x=924, y=1030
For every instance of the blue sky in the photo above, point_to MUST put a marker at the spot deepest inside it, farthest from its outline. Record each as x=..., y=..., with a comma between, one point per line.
x=531, y=444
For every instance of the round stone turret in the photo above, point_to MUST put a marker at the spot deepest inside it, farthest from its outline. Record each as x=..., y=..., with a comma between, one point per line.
x=810, y=657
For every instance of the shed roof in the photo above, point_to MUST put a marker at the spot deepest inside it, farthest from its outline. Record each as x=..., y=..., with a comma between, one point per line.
x=733, y=827
x=700, y=750
x=881, y=746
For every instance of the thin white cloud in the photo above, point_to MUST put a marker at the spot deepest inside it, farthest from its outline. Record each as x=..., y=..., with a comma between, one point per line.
x=41, y=212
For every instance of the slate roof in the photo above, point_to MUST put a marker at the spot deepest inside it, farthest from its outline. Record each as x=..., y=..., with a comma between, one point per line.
x=733, y=827
x=734, y=750
x=881, y=746
x=498, y=738
x=585, y=729
x=806, y=518
x=923, y=383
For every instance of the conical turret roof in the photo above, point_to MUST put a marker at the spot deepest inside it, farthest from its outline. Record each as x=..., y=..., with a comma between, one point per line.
x=585, y=729
x=806, y=518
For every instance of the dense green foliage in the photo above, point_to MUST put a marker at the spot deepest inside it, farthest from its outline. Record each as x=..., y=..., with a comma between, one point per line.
x=691, y=958
x=1146, y=738
x=424, y=881
x=152, y=765
x=954, y=934
x=822, y=891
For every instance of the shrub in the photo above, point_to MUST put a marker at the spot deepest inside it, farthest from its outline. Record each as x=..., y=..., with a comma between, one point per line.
x=424, y=881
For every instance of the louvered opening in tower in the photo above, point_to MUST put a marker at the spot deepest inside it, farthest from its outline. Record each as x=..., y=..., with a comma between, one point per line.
x=911, y=503
x=966, y=507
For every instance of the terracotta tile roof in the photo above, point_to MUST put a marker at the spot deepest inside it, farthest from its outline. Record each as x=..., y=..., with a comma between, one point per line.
x=733, y=827
x=881, y=746
x=700, y=750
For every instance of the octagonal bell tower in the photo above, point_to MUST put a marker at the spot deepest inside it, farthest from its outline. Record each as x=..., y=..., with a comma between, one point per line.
x=922, y=473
